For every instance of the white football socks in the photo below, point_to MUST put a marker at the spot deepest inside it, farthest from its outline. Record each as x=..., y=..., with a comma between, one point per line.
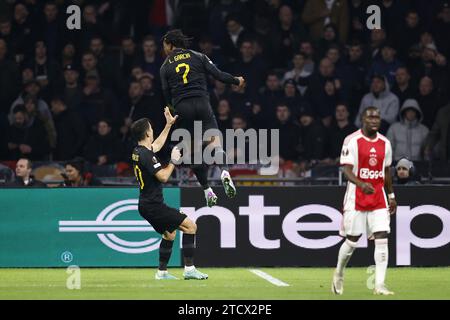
x=345, y=253
x=190, y=268
x=381, y=256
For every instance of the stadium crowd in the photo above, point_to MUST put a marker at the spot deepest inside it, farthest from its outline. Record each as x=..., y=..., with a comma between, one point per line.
x=311, y=67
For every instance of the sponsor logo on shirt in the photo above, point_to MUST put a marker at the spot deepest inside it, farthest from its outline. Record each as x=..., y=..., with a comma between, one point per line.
x=365, y=173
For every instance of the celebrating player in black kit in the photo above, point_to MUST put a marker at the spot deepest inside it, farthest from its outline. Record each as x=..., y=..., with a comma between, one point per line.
x=184, y=81
x=165, y=220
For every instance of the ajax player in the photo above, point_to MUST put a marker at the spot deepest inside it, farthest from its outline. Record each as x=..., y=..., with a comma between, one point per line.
x=366, y=158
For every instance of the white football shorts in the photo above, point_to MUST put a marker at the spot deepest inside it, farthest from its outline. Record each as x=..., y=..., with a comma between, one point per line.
x=356, y=223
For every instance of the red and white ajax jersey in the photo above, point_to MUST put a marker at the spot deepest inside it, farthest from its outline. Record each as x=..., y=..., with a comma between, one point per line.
x=369, y=158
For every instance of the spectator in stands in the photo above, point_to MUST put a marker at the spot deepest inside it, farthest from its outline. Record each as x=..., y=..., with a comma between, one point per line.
x=240, y=152
x=270, y=94
x=232, y=41
x=72, y=92
x=128, y=56
x=89, y=63
x=292, y=97
x=151, y=59
x=319, y=13
x=429, y=101
x=69, y=55
x=146, y=82
x=323, y=85
x=441, y=28
x=98, y=102
x=307, y=48
x=9, y=79
x=27, y=140
x=108, y=70
x=289, y=134
x=334, y=54
x=223, y=116
x=75, y=175
x=329, y=39
x=31, y=88
x=7, y=34
x=91, y=26
x=353, y=73
x=23, y=31
x=386, y=66
x=24, y=178
x=284, y=37
x=70, y=129
x=52, y=29
x=103, y=148
x=377, y=39
x=434, y=65
x=340, y=128
x=358, y=18
x=46, y=70
x=219, y=91
x=391, y=12
x=46, y=118
x=250, y=66
x=408, y=135
x=299, y=73
x=404, y=173
x=240, y=100
x=407, y=34
x=139, y=106
x=440, y=135
x=403, y=88
x=214, y=53
x=327, y=103
x=313, y=138
x=381, y=97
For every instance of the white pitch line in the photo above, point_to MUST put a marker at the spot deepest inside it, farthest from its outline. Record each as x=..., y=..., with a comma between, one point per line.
x=269, y=278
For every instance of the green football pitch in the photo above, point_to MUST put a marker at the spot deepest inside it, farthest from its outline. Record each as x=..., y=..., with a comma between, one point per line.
x=223, y=284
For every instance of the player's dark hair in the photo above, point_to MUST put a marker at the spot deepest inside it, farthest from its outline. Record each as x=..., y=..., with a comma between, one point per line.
x=177, y=39
x=139, y=128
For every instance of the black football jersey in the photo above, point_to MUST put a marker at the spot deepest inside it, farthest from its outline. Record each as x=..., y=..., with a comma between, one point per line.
x=145, y=167
x=184, y=74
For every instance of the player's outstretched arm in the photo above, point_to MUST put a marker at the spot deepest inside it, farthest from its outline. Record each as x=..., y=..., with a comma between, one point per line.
x=220, y=75
x=161, y=140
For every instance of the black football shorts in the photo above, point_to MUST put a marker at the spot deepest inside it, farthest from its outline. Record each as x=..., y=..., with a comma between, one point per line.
x=194, y=109
x=162, y=217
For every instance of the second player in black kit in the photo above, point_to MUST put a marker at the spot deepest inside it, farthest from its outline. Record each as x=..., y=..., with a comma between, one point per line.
x=184, y=77
x=150, y=174
x=151, y=203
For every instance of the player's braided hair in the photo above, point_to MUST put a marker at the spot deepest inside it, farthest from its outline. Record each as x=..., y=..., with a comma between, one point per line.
x=177, y=39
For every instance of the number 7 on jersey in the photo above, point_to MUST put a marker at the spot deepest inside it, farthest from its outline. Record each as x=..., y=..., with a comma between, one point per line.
x=186, y=71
